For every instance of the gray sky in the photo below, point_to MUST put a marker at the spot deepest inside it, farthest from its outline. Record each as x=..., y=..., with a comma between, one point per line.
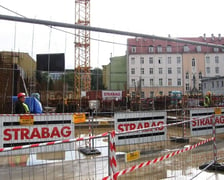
x=179, y=18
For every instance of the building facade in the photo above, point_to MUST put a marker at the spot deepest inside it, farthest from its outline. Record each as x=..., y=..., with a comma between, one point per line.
x=156, y=67
x=115, y=74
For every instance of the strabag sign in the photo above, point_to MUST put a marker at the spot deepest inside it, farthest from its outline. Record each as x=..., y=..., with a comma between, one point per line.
x=202, y=121
x=44, y=128
x=117, y=95
x=127, y=122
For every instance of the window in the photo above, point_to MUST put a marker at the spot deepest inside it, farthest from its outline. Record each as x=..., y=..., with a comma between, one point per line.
x=160, y=60
x=198, y=48
x=150, y=70
x=169, y=48
x=151, y=49
x=169, y=70
x=142, y=82
x=132, y=70
x=216, y=59
x=204, y=85
x=132, y=60
x=200, y=75
x=187, y=75
x=142, y=71
x=207, y=59
x=133, y=82
x=133, y=49
x=142, y=94
x=151, y=94
x=208, y=70
x=160, y=93
x=222, y=83
x=186, y=48
x=169, y=82
x=217, y=70
x=178, y=82
x=199, y=86
x=178, y=70
x=151, y=81
x=159, y=49
x=216, y=49
x=169, y=60
x=217, y=84
x=187, y=87
x=160, y=70
x=160, y=82
x=213, y=85
x=141, y=60
x=178, y=60
x=150, y=60
x=193, y=62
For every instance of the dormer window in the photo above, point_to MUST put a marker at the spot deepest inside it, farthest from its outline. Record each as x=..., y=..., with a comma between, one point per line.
x=159, y=48
x=216, y=49
x=169, y=48
x=186, y=48
x=198, y=48
x=151, y=49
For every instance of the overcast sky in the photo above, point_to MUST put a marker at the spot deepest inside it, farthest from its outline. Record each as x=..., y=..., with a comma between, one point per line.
x=179, y=18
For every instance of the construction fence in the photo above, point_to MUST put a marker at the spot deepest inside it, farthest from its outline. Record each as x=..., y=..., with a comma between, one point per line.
x=129, y=145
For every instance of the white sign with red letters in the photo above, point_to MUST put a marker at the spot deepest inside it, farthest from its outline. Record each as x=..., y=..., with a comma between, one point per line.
x=43, y=128
x=152, y=122
x=117, y=95
x=202, y=121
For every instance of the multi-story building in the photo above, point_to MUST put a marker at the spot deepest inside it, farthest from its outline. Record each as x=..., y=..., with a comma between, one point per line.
x=156, y=67
x=114, y=74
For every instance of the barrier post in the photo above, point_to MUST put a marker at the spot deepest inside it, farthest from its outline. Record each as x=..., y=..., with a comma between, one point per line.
x=214, y=134
x=214, y=165
x=112, y=155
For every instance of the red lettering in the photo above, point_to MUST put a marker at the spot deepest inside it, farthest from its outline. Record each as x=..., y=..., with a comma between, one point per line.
x=126, y=127
x=45, y=132
x=120, y=128
x=146, y=125
x=132, y=126
x=140, y=126
x=65, y=131
x=7, y=135
x=160, y=123
x=35, y=133
x=16, y=133
x=24, y=133
x=55, y=132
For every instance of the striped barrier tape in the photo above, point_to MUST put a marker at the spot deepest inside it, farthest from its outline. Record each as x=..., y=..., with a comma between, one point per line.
x=150, y=162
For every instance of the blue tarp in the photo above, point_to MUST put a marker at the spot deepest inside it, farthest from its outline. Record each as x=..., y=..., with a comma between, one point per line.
x=34, y=105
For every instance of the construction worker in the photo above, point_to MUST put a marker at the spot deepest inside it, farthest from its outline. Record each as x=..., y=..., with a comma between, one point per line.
x=207, y=100
x=20, y=106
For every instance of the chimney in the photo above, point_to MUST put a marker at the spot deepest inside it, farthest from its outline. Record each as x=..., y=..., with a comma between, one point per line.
x=204, y=36
x=220, y=38
x=213, y=37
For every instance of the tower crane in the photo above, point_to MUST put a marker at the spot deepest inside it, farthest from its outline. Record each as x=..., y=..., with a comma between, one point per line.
x=82, y=75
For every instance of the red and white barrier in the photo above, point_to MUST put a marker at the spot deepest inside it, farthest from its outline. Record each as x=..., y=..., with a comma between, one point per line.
x=21, y=130
x=113, y=161
x=156, y=160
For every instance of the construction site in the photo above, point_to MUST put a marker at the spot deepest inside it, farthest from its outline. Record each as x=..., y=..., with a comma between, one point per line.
x=150, y=114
